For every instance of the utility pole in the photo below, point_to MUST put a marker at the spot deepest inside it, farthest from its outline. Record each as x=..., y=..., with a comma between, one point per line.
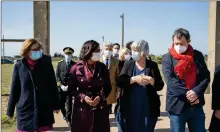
x=103, y=39
x=3, y=48
x=122, y=17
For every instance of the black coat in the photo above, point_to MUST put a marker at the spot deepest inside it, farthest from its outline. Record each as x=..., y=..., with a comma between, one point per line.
x=62, y=72
x=151, y=91
x=34, y=93
x=176, y=101
x=215, y=122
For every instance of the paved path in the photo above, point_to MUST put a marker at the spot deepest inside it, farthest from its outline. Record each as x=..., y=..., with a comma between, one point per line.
x=162, y=124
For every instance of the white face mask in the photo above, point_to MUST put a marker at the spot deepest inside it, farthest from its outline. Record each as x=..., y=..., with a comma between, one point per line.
x=95, y=56
x=127, y=57
x=180, y=49
x=136, y=55
x=115, y=51
x=107, y=53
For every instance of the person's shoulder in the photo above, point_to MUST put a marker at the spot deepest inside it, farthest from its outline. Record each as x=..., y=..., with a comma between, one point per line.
x=61, y=61
x=18, y=63
x=217, y=70
x=166, y=55
x=197, y=53
x=153, y=63
x=129, y=62
x=100, y=64
x=114, y=59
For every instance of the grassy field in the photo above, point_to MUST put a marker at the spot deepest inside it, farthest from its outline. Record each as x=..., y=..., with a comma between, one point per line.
x=9, y=125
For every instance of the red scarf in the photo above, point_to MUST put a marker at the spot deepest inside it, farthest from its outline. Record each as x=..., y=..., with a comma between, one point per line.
x=186, y=68
x=31, y=63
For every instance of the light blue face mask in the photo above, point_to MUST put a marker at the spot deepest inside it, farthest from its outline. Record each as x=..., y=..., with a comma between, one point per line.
x=35, y=55
x=68, y=58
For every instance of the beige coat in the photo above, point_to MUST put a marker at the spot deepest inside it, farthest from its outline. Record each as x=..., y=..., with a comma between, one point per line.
x=114, y=74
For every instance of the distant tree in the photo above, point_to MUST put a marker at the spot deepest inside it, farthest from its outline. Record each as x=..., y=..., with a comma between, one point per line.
x=17, y=56
x=206, y=57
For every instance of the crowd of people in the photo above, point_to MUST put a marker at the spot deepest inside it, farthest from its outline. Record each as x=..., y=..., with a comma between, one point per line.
x=85, y=90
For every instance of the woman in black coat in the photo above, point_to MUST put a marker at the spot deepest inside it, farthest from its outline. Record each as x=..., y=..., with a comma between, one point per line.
x=33, y=90
x=215, y=122
x=140, y=80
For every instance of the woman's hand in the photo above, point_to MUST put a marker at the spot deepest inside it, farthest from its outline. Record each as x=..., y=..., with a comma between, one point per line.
x=139, y=79
x=88, y=100
x=96, y=101
x=150, y=80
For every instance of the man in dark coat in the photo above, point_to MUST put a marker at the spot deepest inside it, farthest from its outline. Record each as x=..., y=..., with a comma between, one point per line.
x=62, y=75
x=187, y=77
x=215, y=122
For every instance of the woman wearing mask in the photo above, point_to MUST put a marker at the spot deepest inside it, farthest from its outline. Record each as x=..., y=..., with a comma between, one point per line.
x=124, y=55
x=89, y=85
x=140, y=80
x=33, y=90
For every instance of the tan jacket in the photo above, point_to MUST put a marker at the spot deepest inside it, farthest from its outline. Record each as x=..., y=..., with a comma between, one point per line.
x=114, y=74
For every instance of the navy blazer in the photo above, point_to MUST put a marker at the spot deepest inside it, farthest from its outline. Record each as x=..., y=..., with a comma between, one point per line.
x=34, y=93
x=176, y=101
x=124, y=83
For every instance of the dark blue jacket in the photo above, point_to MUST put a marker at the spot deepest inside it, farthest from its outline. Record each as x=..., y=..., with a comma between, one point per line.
x=176, y=101
x=34, y=93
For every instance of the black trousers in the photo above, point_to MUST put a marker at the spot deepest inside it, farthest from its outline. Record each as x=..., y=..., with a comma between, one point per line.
x=63, y=101
x=110, y=108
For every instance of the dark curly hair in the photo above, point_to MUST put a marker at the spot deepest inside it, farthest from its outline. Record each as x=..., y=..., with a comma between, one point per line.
x=128, y=44
x=87, y=49
x=181, y=32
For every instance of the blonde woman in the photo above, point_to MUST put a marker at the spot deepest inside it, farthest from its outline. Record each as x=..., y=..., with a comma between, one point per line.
x=33, y=90
x=124, y=55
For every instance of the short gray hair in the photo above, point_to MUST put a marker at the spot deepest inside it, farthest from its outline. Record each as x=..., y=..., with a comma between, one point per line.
x=108, y=43
x=142, y=46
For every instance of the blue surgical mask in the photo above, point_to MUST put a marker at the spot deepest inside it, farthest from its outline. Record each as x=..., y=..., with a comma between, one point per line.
x=35, y=55
x=68, y=58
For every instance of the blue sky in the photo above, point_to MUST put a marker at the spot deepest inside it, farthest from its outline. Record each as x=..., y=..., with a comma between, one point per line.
x=72, y=23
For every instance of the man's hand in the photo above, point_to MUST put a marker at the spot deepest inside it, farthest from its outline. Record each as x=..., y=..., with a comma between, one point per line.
x=56, y=111
x=217, y=114
x=191, y=96
x=196, y=102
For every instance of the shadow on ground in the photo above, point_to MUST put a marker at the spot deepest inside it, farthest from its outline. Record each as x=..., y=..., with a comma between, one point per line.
x=60, y=129
x=164, y=114
x=113, y=122
x=162, y=130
